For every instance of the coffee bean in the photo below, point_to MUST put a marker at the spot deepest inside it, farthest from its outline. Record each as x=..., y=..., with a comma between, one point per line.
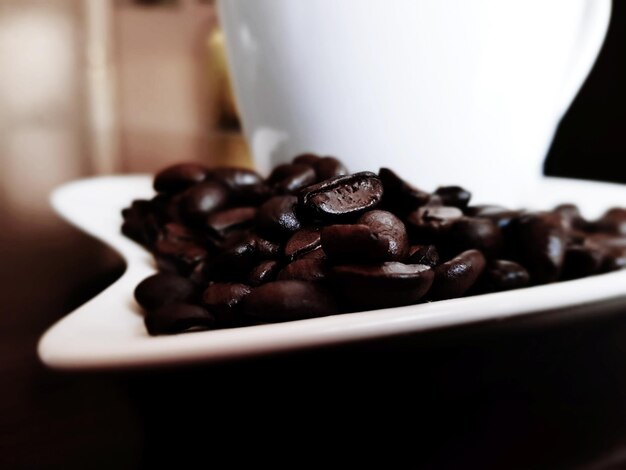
x=178, y=318
x=307, y=159
x=376, y=237
x=612, y=221
x=342, y=197
x=423, y=254
x=200, y=200
x=178, y=177
x=501, y=275
x=289, y=300
x=223, y=222
x=385, y=285
x=304, y=270
x=454, y=196
x=329, y=167
x=317, y=253
x=223, y=300
x=501, y=216
x=302, y=242
x=263, y=272
x=571, y=217
x=162, y=289
x=236, y=179
x=277, y=218
x=581, y=261
x=290, y=177
x=469, y=233
x=178, y=245
x=401, y=197
x=455, y=277
x=427, y=224
x=538, y=241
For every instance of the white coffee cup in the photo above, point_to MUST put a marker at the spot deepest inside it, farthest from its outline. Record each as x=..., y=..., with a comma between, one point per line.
x=444, y=92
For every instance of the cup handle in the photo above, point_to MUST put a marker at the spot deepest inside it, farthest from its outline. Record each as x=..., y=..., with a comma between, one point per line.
x=593, y=29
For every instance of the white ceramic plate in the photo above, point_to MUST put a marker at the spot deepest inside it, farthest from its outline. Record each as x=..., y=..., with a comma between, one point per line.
x=108, y=331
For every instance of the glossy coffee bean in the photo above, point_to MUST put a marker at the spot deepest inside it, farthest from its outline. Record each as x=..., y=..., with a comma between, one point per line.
x=455, y=277
x=428, y=224
x=179, y=177
x=538, y=241
x=289, y=300
x=501, y=275
x=178, y=318
x=221, y=223
x=329, y=167
x=342, y=197
x=423, y=254
x=501, y=216
x=199, y=201
x=236, y=179
x=477, y=233
x=223, y=300
x=302, y=242
x=317, y=253
x=310, y=270
x=376, y=237
x=613, y=249
x=162, y=289
x=454, y=196
x=277, y=218
x=236, y=258
x=290, y=177
x=263, y=272
x=178, y=245
x=400, y=196
x=385, y=285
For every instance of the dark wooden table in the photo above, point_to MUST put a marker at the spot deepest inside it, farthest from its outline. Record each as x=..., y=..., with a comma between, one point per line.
x=548, y=392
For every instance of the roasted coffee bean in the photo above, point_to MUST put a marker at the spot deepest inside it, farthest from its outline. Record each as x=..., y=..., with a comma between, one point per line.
x=236, y=258
x=612, y=221
x=501, y=275
x=477, y=233
x=376, y=237
x=178, y=246
x=140, y=223
x=401, y=197
x=307, y=159
x=317, y=253
x=304, y=270
x=178, y=318
x=162, y=289
x=302, y=242
x=178, y=177
x=538, y=241
x=454, y=196
x=501, y=216
x=428, y=224
x=266, y=248
x=423, y=254
x=329, y=167
x=223, y=222
x=342, y=197
x=277, y=218
x=455, y=277
x=613, y=249
x=289, y=300
x=571, y=217
x=263, y=272
x=390, y=284
x=200, y=200
x=223, y=300
x=290, y=177
x=236, y=179
x=581, y=261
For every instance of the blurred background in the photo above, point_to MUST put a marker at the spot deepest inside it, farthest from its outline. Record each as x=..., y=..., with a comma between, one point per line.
x=90, y=87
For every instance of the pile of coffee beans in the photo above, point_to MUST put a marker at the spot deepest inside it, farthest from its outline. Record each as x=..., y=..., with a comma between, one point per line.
x=235, y=249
